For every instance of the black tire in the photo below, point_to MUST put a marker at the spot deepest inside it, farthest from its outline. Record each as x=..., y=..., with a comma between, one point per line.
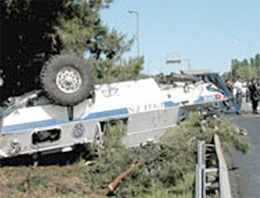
x=64, y=90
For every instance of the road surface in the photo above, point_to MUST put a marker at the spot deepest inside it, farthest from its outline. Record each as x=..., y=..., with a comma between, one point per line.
x=245, y=169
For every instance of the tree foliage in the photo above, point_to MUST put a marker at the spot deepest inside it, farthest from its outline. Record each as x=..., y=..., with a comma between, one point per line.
x=247, y=68
x=105, y=71
x=32, y=31
x=27, y=40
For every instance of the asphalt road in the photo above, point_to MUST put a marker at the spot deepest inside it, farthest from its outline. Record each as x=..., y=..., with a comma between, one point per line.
x=245, y=169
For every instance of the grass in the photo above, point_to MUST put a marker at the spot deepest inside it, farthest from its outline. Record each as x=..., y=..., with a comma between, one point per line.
x=168, y=168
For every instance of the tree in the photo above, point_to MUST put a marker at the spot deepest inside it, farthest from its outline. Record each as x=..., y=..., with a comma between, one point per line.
x=32, y=31
x=26, y=42
x=247, y=68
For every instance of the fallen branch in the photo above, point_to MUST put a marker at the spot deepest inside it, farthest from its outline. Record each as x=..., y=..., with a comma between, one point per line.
x=114, y=184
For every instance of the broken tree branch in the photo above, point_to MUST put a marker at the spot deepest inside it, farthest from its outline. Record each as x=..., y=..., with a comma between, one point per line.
x=114, y=184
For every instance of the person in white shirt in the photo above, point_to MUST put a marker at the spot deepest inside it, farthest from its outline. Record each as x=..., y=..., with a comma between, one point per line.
x=238, y=91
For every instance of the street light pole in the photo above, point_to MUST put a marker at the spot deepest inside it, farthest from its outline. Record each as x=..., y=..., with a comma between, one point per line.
x=137, y=30
x=189, y=62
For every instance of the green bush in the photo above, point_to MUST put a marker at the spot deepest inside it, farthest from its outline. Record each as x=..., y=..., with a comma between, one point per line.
x=168, y=167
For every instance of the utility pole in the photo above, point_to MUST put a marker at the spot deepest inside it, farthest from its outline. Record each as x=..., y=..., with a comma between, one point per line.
x=137, y=30
x=188, y=61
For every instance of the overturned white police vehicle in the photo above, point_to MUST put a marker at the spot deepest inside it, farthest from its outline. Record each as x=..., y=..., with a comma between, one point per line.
x=70, y=110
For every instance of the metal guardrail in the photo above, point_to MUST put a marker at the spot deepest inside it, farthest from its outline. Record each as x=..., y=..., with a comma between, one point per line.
x=224, y=185
x=202, y=185
x=200, y=170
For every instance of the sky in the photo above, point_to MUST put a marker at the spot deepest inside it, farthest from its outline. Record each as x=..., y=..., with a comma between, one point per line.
x=208, y=32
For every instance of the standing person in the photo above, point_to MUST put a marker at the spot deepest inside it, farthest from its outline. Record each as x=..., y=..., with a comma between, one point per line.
x=247, y=83
x=229, y=85
x=253, y=90
x=237, y=91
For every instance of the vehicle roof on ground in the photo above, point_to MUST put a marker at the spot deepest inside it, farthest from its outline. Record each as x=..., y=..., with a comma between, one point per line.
x=199, y=72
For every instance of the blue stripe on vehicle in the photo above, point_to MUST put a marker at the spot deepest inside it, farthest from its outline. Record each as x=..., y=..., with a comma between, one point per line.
x=47, y=123
x=199, y=100
x=20, y=127
x=202, y=99
x=171, y=104
x=106, y=113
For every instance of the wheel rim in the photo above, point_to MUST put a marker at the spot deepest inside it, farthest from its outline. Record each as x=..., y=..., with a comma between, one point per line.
x=68, y=80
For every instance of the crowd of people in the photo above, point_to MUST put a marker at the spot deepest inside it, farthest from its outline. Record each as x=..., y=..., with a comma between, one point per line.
x=246, y=91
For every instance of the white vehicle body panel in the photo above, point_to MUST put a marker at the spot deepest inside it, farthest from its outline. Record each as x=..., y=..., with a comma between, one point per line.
x=148, y=109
